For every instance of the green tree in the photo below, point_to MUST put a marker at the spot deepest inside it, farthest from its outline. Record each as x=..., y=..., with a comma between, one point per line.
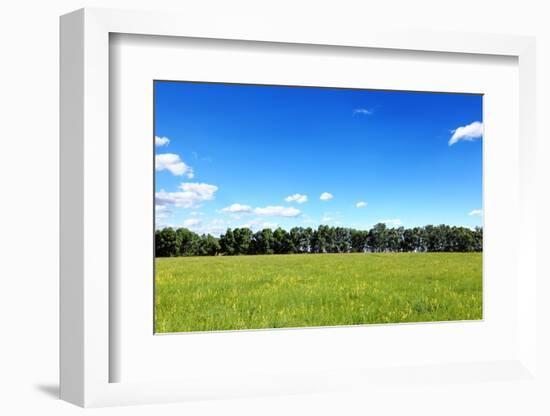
x=300, y=239
x=320, y=240
x=166, y=243
x=380, y=238
x=243, y=239
x=359, y=240
x=208, y=245
x=262, y=242
x=377, y=240
x=296, y=235
x=342, y=239
x=187, y=242
x=227, y=243
x=281, y=241
x=478, y=239
x=464, y=239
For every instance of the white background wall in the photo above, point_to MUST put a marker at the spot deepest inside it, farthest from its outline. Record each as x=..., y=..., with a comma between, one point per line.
x=29, y=57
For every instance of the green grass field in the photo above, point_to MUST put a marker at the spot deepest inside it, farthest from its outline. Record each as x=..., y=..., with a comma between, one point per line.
x=276, y=291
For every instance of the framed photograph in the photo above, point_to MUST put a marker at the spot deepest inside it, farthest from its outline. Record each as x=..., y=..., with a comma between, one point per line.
x=263, y=211
x=268, y=186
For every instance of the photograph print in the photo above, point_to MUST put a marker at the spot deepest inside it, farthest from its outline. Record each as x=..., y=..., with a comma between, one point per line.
x=290, y=206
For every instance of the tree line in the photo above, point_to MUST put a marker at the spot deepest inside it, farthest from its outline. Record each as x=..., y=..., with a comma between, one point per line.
x=170, y=242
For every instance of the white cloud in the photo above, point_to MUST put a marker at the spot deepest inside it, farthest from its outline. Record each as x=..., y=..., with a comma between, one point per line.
x=275, y=211
x=204, y=190
x=159, y=225
x=161, y=141
x=476, y=213
x=396, y=222
x=467, y=133
x=214, y=227
x=191, y=195
x=215, y=230
x=191, y=222
x=361, y=204
x=334, y=217
x=161, y=212
x=257, y=224
x=173, y=163
x=364, y=111
x=238, y=216
x=278, y=211
x=299, y=198
x=326, y=196
x=237, y=208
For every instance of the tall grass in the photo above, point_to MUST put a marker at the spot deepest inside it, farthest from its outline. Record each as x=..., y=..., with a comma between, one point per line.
x=277, y=291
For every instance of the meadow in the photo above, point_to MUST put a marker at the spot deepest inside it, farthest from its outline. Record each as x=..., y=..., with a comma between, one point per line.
x=304, y=290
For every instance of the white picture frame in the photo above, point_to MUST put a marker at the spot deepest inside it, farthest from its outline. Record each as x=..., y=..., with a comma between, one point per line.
x=86, y=355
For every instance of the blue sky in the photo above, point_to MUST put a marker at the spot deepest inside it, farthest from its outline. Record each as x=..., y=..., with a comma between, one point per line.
x=232, y=155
